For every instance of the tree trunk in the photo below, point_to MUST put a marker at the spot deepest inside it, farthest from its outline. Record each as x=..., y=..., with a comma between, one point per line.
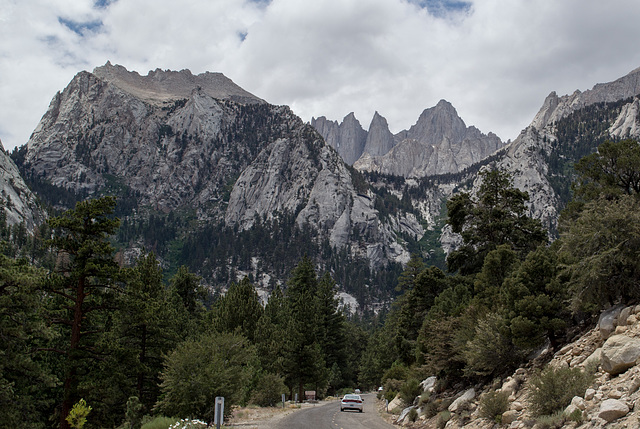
x=70, y=381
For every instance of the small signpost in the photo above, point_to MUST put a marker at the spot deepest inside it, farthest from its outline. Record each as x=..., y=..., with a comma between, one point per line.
x=218, y=416
x=283, y=399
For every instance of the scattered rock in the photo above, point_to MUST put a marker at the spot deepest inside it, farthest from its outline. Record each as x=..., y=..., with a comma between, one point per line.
x=509, y=417
x=510, y=386
x=612, y=409
x=615, y=394
x=589, y=394
x=579, y=403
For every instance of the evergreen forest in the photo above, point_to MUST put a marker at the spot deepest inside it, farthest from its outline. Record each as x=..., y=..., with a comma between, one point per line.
x=86, y=336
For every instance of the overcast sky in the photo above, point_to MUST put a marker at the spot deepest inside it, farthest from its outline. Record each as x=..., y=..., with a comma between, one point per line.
x=494, y=60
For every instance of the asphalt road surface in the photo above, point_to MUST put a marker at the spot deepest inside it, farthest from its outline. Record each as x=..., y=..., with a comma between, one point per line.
x=329, y=416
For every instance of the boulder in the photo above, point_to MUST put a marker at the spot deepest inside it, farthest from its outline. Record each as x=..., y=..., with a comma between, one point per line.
x=606, y=322
x=571, y=410
x=578, y=402
x=620, y=353
x=510, y=386
x=594, y=358
x=509, y=417
x=428, y=384
x=404, y=414
x=624, y=315
x=612, y=409
x=396, y=403
x=463, y=400
x=589, y=394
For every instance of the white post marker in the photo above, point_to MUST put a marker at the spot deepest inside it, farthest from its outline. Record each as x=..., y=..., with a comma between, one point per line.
x=218, y=416
x=283, y=399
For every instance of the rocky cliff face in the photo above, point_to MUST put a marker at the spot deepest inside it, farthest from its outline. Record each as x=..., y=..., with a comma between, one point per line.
x=379, y=139
x=176, y=141
x=18, y=202
x=527, y=156
x=439, y=143
x=348, y=138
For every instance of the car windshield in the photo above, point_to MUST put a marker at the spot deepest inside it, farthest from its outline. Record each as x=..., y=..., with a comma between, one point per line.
x=351, y=397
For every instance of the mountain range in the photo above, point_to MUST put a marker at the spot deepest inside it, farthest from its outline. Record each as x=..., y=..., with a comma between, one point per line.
x=215, y=178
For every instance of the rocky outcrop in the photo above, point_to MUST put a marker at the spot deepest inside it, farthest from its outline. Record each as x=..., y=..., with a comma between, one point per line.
x=379, y=139
x=285, y=177
x=439, y=143
x=18, y=202
x=627, y=124
x=555, y=107
x=161, y=86
x=347, y=138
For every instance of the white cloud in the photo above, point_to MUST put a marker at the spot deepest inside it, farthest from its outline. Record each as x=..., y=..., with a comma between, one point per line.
x=495, y=60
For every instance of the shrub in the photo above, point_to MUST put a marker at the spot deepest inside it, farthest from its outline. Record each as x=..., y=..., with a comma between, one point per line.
x=553, y=421
x=391, y=388
x=443, y=418
x=552, y=389
x=268, y=391
x=431, y=409
x=576, y=416
x=78, y=415
x=493, y=404
x=409, y=390
x=159, y=422
x=413, y=415
x=424, y=398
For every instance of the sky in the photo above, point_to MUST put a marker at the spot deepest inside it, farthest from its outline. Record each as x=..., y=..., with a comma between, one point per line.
x=494, y=60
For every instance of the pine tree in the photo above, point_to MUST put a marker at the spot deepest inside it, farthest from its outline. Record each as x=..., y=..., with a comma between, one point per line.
x=238, y=310
x=84, y=283
x=303, y=354
x=143, y=330
x=24, y=380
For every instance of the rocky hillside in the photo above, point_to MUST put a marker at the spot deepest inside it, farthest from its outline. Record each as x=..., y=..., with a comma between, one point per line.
x=195, y=160
x=610, y=351
x=565, y=129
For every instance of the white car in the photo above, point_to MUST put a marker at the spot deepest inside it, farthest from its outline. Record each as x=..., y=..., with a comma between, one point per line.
x=351, y=402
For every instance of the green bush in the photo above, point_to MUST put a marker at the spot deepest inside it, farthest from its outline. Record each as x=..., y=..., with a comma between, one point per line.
x=78, y=415
x=391, y=388
x=410, y=390
x=553, y=388
x=443, y=418
x=493, y=404
x=159, y=422
x=553, y=421
x=268, y=391
x=413, y=415
x=424, y=398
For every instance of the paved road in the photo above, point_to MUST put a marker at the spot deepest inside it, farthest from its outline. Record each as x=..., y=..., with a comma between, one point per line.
x=329, y=416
